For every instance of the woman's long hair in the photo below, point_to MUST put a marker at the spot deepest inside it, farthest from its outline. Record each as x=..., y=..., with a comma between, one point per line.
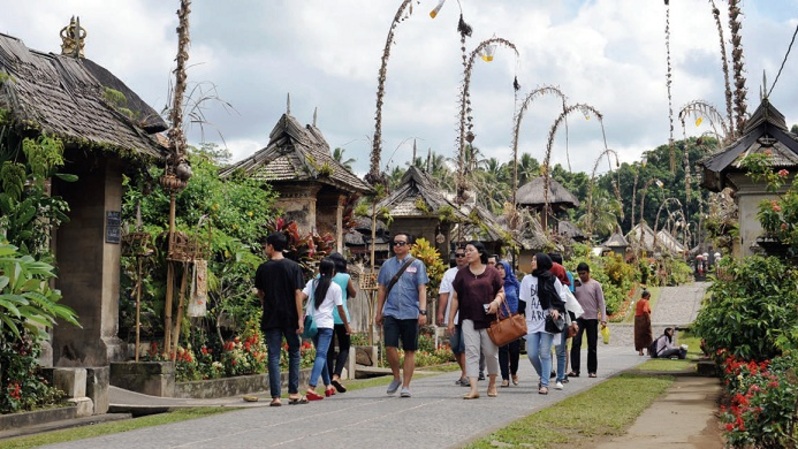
x=483, y=254
x=665, y=333
x=340, y=262
x=326, y=273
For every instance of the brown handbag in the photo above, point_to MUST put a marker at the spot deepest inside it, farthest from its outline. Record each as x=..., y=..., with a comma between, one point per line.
x=507, y=329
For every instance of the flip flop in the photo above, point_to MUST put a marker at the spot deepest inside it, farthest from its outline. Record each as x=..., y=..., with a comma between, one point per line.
x=275, y=402
x=470, y=396
x=492, y=393
x=298, y=400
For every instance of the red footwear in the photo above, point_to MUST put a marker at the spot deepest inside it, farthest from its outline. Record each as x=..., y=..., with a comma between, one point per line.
x=329, y=392
x=313, y=396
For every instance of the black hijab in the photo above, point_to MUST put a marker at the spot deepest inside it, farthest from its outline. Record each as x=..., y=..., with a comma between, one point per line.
x=547, y=290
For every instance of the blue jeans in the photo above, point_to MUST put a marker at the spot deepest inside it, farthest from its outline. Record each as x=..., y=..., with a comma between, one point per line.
x=322, y=343
x=561, y=351
x=274, y=341
x=538, y=349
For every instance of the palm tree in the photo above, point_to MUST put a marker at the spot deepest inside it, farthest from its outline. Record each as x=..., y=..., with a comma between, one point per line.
x=528, y=168
x=338, y=155
x=604, y=214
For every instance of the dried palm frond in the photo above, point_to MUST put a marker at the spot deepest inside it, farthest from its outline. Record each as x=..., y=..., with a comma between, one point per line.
x=740, y=91
x=725, y=61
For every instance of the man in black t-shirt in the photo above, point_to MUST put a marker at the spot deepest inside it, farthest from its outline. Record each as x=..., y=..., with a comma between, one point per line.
x=279, y=282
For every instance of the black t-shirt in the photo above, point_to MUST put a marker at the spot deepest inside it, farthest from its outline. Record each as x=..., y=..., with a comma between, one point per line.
x=279, y=280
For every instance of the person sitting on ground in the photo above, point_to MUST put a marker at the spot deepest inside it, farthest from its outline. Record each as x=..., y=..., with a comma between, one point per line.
x=666, y=347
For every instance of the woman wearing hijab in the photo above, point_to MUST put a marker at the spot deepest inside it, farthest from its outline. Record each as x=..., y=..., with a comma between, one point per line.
x=477, y=293
x=509, y=353
x=541, y=292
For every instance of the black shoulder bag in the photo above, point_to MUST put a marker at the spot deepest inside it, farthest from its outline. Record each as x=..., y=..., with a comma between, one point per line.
x=395, y=278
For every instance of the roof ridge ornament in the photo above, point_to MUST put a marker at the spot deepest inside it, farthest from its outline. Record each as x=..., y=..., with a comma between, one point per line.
x=73, y=38
x=288, y=103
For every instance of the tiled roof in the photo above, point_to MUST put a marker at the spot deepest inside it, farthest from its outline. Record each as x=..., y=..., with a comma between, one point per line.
x=66, y=97
x=295, y=153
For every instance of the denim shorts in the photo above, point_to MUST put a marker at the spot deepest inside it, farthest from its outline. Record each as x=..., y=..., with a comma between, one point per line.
x=406, y=330
x=456, y=340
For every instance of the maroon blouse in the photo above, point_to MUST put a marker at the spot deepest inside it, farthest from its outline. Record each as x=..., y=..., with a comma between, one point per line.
x=474, y=291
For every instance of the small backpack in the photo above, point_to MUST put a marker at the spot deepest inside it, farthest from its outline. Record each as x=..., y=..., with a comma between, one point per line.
x=652, y=349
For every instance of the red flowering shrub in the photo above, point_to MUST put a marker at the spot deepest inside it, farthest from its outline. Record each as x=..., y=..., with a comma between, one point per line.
x=761, y=405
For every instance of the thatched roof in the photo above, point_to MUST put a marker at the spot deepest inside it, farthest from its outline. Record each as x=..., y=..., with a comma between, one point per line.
x=766, y=130
x=489, y=228
x=68, y=98
x=616, y=240
x=568, y=229
x=296, y=154
x=417, y=188
x=531, y=194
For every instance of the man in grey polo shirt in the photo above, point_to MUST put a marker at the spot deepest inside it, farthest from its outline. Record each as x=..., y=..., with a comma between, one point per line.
x=403, y=310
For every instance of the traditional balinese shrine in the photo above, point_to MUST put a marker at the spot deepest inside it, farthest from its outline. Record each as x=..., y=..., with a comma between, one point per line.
x=67, y=96
x=765, y=131
x=314, y=187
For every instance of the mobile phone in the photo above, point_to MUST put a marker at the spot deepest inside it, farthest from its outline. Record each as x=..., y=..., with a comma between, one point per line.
x=486, y=307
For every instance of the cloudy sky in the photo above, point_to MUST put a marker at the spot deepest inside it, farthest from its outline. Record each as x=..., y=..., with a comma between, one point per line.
x=609, y=54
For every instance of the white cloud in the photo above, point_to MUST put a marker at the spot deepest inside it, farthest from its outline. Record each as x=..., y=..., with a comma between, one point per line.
x=606, y=53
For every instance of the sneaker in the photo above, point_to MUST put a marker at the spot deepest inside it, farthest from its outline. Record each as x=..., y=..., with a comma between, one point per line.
x=394, y=386
x=481, y=376
x=558, y=386
x=405, y=393
x=464, y=382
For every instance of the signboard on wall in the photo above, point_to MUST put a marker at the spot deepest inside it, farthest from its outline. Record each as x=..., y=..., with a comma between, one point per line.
x=113, y=226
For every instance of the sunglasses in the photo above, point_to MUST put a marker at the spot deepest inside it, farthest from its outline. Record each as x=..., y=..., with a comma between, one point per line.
x=399, y=243
x=458, y=255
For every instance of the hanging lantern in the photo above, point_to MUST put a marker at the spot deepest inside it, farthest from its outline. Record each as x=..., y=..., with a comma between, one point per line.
x=488, y=52
x=434, y=12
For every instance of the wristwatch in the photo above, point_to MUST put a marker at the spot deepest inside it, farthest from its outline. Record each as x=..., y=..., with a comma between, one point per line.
x=422, y=312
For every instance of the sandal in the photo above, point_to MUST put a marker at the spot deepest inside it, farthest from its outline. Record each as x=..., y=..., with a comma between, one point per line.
x=505, y=383
x=329, y=392
x=592, y=375
x=338, y=386
x=492, y=393
x=543, y=390
x=297, y=400
x=313, y=396
x=515, y=379
x=471, y=396
x=573, y=374
x=275, y=402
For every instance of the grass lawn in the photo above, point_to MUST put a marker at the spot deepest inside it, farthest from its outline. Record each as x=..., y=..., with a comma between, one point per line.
x=606, y=410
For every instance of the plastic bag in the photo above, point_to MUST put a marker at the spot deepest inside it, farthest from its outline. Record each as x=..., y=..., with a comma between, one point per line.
x=605, y=334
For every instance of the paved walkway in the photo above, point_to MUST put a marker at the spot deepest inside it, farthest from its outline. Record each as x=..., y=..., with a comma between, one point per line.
x=435, y=417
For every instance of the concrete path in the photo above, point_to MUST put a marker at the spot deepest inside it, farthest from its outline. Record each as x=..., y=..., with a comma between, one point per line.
x=435, y=417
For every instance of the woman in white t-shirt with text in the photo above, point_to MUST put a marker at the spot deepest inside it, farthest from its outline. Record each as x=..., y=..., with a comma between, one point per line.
x=541, y=290
x=324, y=296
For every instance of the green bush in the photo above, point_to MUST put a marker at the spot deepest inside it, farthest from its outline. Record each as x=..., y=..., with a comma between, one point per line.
x=751, y=312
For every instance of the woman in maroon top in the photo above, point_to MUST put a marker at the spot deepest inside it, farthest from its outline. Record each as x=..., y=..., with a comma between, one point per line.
x=477, y=291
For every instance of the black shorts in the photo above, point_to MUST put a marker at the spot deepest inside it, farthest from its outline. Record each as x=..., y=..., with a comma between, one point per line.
x=396, y=329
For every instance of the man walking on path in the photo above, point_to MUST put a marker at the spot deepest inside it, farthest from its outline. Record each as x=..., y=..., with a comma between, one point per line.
x=444, y=308
x=591, y=297
x=279, y=282
x=401, y=309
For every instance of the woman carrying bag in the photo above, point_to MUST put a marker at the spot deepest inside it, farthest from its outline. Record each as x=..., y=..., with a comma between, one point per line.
x=324, y=296
x=541, y=291
x=509, y=353
x=477, y=291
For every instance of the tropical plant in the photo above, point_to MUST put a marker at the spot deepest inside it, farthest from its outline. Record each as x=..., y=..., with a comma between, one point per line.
x=751, y=313
x=338, y=155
